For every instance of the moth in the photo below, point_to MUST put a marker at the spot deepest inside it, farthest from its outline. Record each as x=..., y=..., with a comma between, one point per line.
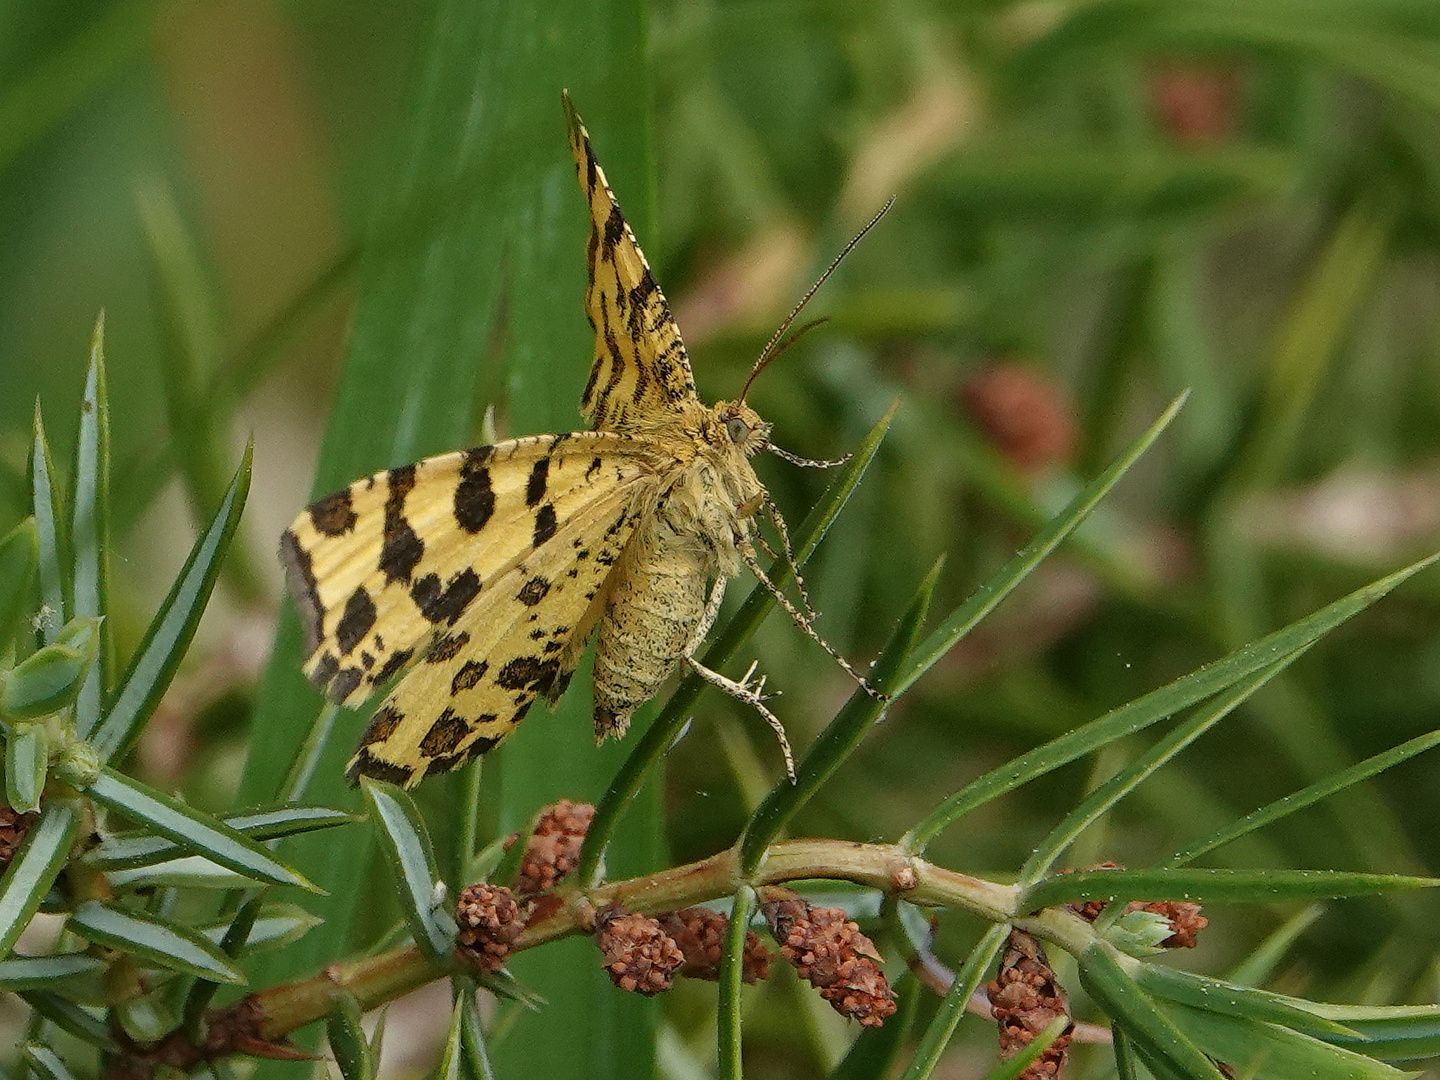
x=482, y=574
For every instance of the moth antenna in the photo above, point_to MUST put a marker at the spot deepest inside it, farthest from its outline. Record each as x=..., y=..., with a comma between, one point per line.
x=805, y=462
x=771, y=349
x=798, y=618
x=778, y=521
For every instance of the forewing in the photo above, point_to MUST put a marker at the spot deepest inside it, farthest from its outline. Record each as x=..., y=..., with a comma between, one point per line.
x=379, y=568
x=474, y=683
x=641, y=373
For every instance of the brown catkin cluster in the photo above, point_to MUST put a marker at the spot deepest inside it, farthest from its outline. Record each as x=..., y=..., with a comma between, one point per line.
x=829, y=952
x=700, y=934
x=1024, y=1000
x=639, y=957
x=1184, y=916
x=490, y=920
x=13, y=828
x=554, y=846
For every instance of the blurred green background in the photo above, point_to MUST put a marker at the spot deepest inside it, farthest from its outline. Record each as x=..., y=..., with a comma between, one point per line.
x=1098, y=205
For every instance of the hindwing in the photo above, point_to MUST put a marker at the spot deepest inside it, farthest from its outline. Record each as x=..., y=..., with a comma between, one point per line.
x=641, y=373
x=381, y=567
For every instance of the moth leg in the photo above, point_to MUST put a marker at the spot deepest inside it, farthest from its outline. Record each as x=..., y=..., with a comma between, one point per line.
x=747, y=553
x=751, y=693
x=773, y=513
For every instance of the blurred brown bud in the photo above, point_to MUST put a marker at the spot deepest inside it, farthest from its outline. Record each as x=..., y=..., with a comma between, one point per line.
x=830, y=953
x=1022, y=412
x=1195, y=102
x=554, y=846
x=700, y=934
x=1024, y=1000
x=490, y=920
x=638, y=955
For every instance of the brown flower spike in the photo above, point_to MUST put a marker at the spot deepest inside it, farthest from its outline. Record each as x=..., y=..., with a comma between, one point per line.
x=554, y=847
x=829, y=952
x=700, y=934
x=638, y=956
x=490, y=920
x=1025, y=999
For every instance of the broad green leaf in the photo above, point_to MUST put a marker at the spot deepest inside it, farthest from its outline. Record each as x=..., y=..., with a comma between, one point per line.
x=19, y=557
x=842, y=735
x=1231, y=999
x=170, y=631
x=130, y=850
x=952, y=1005
x=1270, y=1052
x=43, y=972
x=192, y=830
x=1141, y=1019
x=1106, y=795
x=34, y=869
x=1307, y=796
x=154, y=941
x=348, y=1043
x=1212, y=886
x=1152, y=707
x=48, y=513
x=46, y=1064
x=27, y=758
x=732, y=970
x=666, y=726
x=964, y=618
x=90, y=527
x=407, y=849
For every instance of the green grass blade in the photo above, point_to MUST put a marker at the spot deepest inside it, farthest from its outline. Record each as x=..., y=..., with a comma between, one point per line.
x=963, y=619
x=193, y=830
x=34, y=869
x=45, y=505
x=841, y=736
x=662, y=732
x=732, y=970
x=406, y=845
x=1129, y=1006
x=173, y=626
x=90, y=528
x=1152, y=707
x=1213, y=886
x=952, y=1005
x=153, y=941
x=19, y=557
x=1307, y=796
x=1106, y=795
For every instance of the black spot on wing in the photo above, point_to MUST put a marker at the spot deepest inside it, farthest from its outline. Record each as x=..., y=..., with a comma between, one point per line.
x=325, y=670
x=474, y=497
x=344, y=683
x=447, y=604
x=469, y=676
x=533, y=591
x=485, y=742
x=614, y=230
x=528, y=673
x=535, y=486
x=397, y=661
x=333, y=515
x=382, y=725
x=444, y=735
x=355, y=621
x=364, y=763
x=545, y=524
x=401, y=549
x=303, y=587
x=446, y=647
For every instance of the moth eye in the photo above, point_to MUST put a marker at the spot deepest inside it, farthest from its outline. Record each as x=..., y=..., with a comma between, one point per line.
x=737, y=429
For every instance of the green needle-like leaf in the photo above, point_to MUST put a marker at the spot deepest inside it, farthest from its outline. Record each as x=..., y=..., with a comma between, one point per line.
x=952, y=1005
x=27, y=756
x=1230, y=999
x=43, y=972
x=169, y=634
x=841, y=736
x=348, y=1043
x=85, y=1024
x=964, y=618
x=1152, y=707
x=34, y=869
x=19, y=557
x=46, y=1064
x=1152, y=1030
x=662, y=732
x=1212, y=886
x=90, y=527
x=407, y=848
x=1386, y=1032
x=477, y=1057
x=732, y=971
x=276, y=925
x=154, y=941
x=50, y=532
x=192, y=830
x=128, y=851
x=452, y=1054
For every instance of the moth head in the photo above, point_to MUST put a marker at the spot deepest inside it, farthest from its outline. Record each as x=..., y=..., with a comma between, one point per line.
x=741, y=427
